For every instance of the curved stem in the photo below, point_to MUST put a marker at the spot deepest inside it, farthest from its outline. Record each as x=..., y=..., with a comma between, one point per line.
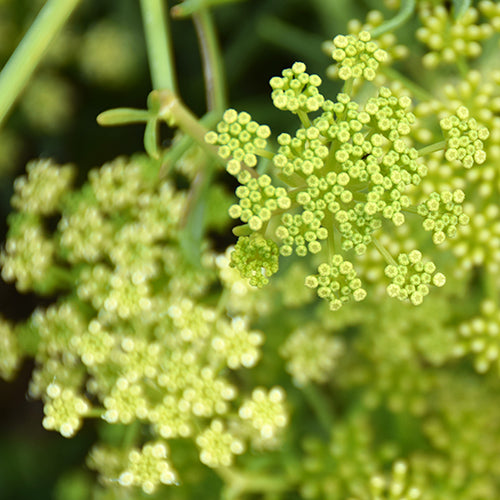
x=405, y=12
x=30, y=51
x=159, y=45
x=213, y=66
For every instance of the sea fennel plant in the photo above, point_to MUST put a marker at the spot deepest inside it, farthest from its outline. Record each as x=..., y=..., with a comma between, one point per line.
x=278, y=367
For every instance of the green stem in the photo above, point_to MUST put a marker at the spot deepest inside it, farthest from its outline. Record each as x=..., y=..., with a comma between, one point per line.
x=190, y=7
x=171, y=108
x=383, y=251
x=462, y=66
x=30, y=51
x=94, y=413
x=239, y=482
x=173, y=154
x=213, y=66
x=432, y=148
x=405, y=12
x=416, y=90
x=347, y=89
x=320, y=406
x=304, y=119
x=159, y=45
x=264, y=153
x=130, y=434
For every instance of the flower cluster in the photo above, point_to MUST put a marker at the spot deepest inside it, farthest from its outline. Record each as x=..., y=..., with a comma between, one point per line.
x=480, y=336
x=148, y=468
x=443, y=212
x=296, y=91
x=411, y=276
x=334, y=183
x=357, y=56
x=131, y=343
x=464, y=138
x=218, y=447
x=266, y=412
x=311, y=354
x=450, y=39
x=337, y=282
x=395, y=489
x=239, y=138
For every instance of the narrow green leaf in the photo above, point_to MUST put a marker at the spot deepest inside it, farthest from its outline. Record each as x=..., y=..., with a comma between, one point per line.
x=123, y=116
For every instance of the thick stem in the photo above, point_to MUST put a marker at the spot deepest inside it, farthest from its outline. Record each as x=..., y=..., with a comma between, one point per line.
x=159, y=45
x=172, y=109
x=213, y=66
x=30, y=51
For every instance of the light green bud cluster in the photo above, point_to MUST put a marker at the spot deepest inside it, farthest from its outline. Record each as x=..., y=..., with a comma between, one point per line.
x=481, y=337
x=296, y=90
x=28, y=256
x=462, y=431
x=266, y=412
x=64, y=410
x=479, y=241
x=240, y=139
x=125, y=403
x=464, y=138
x=396, y=488
x=386, y=41
x=491, y=10
x=11, y=353
x=345, y=171
x=337, y=283
x=311, y=354
x=148, y=468
x=237, y=345
x=442, y=213
x=218, y=446
x=41, y=190
x=340, y=467
x=357, y=56
x=256, y=259
x=258, y=200
x=411, y=277
x=450, y=39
